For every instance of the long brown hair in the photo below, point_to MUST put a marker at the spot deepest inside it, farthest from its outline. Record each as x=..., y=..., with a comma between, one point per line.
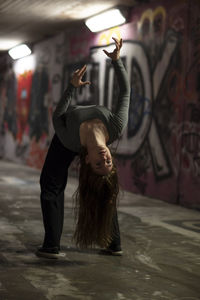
x=95, y=205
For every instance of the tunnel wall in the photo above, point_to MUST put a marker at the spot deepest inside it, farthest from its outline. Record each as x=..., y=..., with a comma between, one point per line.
x=159, y=152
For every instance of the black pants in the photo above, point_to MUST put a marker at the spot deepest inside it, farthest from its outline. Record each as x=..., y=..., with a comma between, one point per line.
x=53, y=181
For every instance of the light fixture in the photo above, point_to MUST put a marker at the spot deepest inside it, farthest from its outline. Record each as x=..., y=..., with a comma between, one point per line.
x=105, y=20
x=19, y=51
x=8, y=44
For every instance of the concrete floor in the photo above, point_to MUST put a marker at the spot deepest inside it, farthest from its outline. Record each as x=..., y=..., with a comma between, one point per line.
x=160, y=242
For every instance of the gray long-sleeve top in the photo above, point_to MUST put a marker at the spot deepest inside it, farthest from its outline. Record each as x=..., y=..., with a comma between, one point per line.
x=67, y=119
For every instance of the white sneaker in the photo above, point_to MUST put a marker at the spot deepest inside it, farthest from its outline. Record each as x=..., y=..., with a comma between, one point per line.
x=50, y=253
x=117, y=251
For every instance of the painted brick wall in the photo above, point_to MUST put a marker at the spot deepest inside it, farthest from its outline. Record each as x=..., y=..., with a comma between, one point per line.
x=159, y=152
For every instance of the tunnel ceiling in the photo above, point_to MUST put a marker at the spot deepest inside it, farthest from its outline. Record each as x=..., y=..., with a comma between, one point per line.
x=31, y=21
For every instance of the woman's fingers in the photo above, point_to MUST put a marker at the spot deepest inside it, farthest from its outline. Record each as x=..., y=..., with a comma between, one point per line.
x=85, y=82
x=115, y=54
x=118, y=43
x=106, y=52
x=76, y=72
x=82, y=71
x=77, y=77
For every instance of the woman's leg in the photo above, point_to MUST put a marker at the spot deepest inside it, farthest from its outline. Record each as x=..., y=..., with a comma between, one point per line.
x=116, y=240
x=53, y=181
x=115, y=246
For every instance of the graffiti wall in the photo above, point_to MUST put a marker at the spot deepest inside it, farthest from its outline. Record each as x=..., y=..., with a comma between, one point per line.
x=159, y=152
x=27, y=102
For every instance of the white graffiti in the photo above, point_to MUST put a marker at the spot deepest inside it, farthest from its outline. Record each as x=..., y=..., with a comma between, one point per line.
x=134, y=53
x=141, y=119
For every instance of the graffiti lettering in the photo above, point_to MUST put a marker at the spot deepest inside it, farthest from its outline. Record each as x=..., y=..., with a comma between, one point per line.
x=145, y=90
x=145, y=84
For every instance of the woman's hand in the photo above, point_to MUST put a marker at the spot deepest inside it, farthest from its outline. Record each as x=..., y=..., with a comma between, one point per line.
x=116, y=52
x=76, y=79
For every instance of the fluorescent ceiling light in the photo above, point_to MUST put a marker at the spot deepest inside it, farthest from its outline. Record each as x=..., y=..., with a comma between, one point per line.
x=7, y=44
x=105, y=20
x=19, y=51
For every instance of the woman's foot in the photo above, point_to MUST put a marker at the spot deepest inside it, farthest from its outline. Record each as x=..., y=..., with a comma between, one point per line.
x=116, y=251
x=49, y=253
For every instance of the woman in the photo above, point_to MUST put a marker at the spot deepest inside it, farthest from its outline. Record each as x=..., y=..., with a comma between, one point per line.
x=85, y=131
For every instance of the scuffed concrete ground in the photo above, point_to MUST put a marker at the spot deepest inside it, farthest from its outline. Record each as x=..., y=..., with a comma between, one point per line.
x=160, y=242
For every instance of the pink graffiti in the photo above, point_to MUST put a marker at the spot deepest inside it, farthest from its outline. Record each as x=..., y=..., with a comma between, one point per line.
x=79, y=45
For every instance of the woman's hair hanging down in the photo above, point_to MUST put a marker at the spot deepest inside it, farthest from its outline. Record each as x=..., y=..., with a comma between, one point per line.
x=95, y=205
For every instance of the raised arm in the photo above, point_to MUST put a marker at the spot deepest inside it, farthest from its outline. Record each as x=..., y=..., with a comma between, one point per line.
x=121, y=113
x=63, y=104
x=65, y=100
x=120, y=117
